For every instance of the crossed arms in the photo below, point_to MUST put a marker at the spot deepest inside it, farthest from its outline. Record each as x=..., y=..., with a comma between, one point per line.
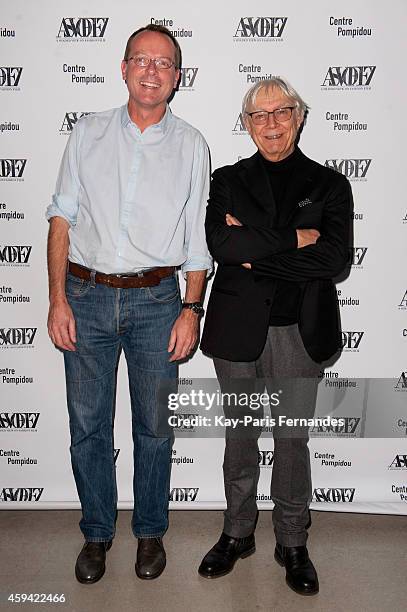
x=288, y=253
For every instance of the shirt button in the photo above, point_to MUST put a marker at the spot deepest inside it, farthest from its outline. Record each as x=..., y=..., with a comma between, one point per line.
x=267, y=302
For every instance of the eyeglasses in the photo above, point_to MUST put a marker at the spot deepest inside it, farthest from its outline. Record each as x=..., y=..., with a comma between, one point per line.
x=143, y=61
x=280, y=114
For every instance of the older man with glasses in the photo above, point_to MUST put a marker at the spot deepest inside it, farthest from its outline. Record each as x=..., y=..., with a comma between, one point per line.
x=120, y=226
x=278, y=225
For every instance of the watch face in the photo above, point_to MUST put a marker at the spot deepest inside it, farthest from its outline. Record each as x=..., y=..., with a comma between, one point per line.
x=196, y=307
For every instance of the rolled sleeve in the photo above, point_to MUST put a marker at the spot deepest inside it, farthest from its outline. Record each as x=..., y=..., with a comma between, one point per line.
x=62, y=206
x=198, y=257
x=197, y=263
x=65, y=201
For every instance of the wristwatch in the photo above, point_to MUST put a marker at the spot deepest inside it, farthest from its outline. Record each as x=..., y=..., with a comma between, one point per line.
x=196, y=307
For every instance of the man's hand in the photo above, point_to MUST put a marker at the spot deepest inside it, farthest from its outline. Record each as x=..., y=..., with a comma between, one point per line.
x=230, y=220
x=184, y=335
x=61, y=325
x=306, y=237
x=61, y=322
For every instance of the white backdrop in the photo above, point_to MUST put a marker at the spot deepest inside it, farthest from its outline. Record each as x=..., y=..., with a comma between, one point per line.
x=61, y=59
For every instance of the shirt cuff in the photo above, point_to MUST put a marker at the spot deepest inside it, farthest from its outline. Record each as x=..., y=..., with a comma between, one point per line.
x=197, y=263
x=58, y=208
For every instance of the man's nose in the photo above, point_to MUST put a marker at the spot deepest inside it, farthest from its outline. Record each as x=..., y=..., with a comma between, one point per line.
x=271, y=120
x=152, y=67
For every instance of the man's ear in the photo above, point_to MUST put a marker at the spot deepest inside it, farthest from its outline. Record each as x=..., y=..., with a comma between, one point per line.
x=299, y=118
x=123, y=68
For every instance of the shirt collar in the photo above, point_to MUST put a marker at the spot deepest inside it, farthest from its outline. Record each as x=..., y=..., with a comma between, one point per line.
x=162, y=125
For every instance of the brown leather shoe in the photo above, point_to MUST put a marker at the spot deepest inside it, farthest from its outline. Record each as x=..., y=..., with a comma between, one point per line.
x=151, y=558
x=90, y=564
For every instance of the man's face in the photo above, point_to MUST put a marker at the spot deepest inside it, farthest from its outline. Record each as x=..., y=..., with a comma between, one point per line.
x=149, y=87
x=275, y=140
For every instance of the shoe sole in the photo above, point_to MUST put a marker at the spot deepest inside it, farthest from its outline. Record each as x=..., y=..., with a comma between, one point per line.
x=149, y=577
x=249, y=552
x=306, y=593
x=93, y=580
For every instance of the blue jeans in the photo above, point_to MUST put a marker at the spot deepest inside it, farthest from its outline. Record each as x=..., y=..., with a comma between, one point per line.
x=139, y=321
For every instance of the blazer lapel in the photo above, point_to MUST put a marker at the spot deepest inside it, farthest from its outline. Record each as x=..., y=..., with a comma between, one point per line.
x=254, y=177
x=299, y=188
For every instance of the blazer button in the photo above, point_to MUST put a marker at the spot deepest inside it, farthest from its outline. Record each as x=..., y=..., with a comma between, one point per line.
x=267, y=302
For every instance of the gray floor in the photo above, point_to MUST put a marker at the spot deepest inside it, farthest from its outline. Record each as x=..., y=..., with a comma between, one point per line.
x=361, y=560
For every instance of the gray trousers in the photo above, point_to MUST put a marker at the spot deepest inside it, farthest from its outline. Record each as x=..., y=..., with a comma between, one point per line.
x=284, y=365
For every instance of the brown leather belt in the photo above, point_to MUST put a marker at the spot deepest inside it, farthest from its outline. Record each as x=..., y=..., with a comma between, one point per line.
x=149, y=278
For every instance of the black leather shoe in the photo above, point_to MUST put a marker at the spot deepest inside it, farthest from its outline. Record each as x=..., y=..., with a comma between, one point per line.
x=151, y=558
x=221, y=559
x=90, y=564
x=301, y=575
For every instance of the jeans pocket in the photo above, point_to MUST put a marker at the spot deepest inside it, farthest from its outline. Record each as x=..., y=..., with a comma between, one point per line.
x=76, y=287
x=166, y=292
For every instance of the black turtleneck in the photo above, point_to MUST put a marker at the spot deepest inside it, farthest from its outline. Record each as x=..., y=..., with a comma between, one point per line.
x=284, y=310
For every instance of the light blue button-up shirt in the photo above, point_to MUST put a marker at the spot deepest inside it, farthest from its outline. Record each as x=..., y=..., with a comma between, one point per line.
x=134, y=200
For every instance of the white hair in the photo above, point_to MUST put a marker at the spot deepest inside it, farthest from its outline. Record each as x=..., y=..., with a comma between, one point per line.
x=265, y=85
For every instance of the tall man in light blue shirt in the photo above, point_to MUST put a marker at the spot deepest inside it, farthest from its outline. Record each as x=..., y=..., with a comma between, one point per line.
x=128, y=210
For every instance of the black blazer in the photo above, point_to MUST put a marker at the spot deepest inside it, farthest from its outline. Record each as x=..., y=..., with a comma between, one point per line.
x=238, y=312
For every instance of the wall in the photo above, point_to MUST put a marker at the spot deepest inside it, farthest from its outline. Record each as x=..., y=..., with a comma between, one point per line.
x=60, y=60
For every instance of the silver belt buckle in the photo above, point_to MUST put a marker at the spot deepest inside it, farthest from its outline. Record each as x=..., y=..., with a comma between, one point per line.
x=143, y=272
x=140, y=273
